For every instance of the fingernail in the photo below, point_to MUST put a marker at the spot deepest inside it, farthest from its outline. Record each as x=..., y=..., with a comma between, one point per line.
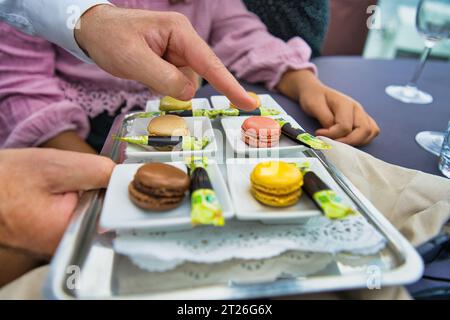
x=248, y=106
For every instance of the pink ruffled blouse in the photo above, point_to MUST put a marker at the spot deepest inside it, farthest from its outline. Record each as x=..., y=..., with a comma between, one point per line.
x=45, y=91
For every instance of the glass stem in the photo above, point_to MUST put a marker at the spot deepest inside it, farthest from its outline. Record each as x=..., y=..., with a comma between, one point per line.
x=423, y=59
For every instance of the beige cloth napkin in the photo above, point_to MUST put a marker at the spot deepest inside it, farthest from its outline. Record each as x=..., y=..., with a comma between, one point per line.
x=418, y=204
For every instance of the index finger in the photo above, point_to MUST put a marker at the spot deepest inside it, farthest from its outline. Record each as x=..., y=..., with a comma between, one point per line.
x=205, y=62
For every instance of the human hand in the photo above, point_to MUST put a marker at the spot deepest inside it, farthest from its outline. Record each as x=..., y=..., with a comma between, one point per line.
x=40, y=189
x=69, y=141
x=342, y=118
x=159, y=49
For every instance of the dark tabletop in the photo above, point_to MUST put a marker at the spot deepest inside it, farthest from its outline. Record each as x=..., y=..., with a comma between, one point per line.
x=365, y=80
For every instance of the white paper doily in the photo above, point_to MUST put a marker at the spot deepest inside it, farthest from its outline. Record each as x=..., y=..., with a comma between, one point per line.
x=291, y=264
x=249, y=241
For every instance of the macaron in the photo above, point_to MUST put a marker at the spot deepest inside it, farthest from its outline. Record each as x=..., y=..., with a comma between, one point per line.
x=171, y=104
x=261, y=132
x=168, y=126
x=158, y=187
x=276, y=183
x=254, y=96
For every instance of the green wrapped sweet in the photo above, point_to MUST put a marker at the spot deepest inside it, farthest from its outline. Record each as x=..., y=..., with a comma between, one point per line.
x=211, y=114
x=233, y=112
x=329, y=202
x=326, y=199
x=301, y=136
x=205, y=207
x=193, y=143
x=186, y=143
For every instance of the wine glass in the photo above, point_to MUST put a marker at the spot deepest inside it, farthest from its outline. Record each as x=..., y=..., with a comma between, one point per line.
x=433, y=23
x=431, y=141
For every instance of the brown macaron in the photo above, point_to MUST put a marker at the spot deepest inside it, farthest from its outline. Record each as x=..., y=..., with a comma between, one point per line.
x=158, y=187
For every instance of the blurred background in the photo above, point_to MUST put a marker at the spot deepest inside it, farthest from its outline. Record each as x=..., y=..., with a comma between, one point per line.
x=393, y=33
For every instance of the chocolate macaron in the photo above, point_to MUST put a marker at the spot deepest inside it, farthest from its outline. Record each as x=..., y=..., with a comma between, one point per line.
x=158, y=187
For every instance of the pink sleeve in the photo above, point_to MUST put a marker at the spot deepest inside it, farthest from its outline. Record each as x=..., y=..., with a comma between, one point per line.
x=32, y=105
x=245, y=46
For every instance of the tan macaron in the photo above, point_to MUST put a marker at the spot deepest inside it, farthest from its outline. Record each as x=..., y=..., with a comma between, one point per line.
x=168, y=125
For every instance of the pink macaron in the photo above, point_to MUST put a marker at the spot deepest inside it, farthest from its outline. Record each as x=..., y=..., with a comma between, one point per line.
x=261, y=132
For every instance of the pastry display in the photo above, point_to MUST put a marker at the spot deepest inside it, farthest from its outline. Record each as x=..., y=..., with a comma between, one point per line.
x=161, y=187
x=326, y=199
x=261, y=132
x=158, y=187
x=254, y=96
x=300, y=136
x=276, y=183
x=205, y=207
x=172, y=104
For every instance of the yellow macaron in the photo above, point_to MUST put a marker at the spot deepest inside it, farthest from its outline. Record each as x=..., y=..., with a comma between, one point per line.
x=277, y=200
x=254, y=96
x=276, y=183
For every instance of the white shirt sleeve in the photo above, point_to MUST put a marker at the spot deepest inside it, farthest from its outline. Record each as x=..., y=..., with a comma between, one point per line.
x=54, y=20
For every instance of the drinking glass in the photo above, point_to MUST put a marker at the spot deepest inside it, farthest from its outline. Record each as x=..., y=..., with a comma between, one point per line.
x=433, y=23
x=444, y=160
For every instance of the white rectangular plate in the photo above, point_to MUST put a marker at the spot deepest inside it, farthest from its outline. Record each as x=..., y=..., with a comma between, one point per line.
x=222, y=102
x=248, y=208
x=198, y=103
x=120, y=213
x=232, y=128
x=198, y=126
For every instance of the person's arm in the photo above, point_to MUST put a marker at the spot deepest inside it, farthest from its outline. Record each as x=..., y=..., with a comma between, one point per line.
x=49, y=19
x=158, y=49
x=33, y=109
x=245, y=46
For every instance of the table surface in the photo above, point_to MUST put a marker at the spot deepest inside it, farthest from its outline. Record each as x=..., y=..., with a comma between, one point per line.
x=365, y=80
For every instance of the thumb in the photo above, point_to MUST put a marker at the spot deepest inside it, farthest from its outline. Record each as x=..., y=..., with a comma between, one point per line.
x=73, y=171
x=319, y=109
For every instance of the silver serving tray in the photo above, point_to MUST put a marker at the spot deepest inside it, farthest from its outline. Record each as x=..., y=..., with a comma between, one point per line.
x=86, y=253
